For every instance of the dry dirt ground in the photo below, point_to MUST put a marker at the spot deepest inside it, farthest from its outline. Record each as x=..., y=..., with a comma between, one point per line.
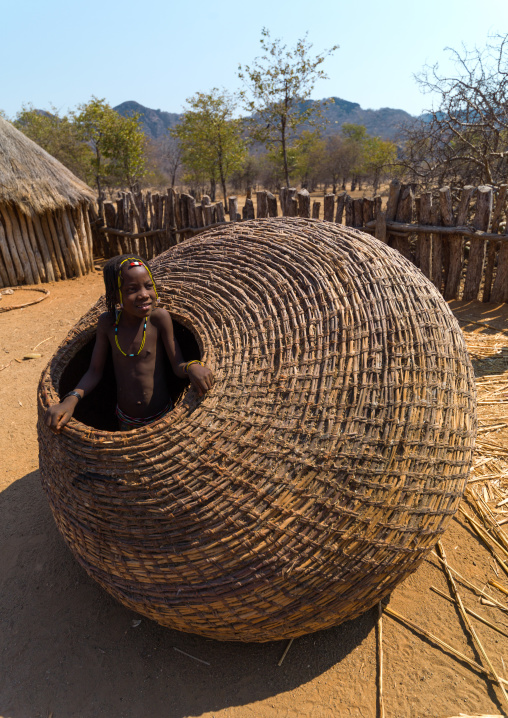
x=68, y=650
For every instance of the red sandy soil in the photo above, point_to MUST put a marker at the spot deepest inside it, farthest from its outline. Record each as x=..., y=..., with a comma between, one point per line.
x=68, y=650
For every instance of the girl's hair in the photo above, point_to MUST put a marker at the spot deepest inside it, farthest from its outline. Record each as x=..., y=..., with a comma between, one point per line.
x=111, y=272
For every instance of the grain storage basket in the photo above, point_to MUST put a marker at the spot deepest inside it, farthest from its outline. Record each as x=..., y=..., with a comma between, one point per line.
x=320, y=470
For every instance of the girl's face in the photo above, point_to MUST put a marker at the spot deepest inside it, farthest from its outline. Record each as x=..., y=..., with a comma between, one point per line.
x=138, y=292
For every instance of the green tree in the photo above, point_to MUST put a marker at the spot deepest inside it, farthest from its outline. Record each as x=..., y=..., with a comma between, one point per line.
x=210, y=137
x=57, y=135
x=310, y=151
x=378, y=154
x=277, y=85
x=117, y=145
x=356, y=139
x=340, y=158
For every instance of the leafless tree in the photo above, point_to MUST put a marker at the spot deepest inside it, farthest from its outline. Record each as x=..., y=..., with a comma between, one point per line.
x=463, y=139
x=171, y=157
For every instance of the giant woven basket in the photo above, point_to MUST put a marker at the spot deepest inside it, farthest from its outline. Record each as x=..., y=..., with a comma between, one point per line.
x=323, y=466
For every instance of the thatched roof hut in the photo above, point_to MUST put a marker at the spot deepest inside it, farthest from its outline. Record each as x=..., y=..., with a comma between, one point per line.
x=44, y=227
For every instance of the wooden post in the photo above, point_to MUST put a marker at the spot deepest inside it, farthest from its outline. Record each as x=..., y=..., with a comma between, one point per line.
x=348, y=205
x=80, y=236
x=18, y=253
x=110, y=217
x=46, y=244
x=477, y=246
x=248, y=209
x=424, y=216
x=437, y=248
x=446, y=209
x=456, y=242
x=272, y=204
x=32, y=248
x=233, y=208
x=219, y=212
x=49, y=229
x=316, y=207
x=191, y=209
x=83, y=209
x=73, y=247
x=39, y=240
x=499, y=291
x=8, y=261
x=282, y=199
x=303, y=198
x=24, y=242
x=404, y=213
x=4, y=277
x=292, y=207
x=198, y=212
x=140, y=204
x=170, y=217
x=358, y=212
x=207, y=210
x=341, y=200
x=367, y=210
x=155, y=216
x=328, y=207
x=391, y=207
x=262, y=204
x=500, y=286
x=184, y=212
x=56, y=222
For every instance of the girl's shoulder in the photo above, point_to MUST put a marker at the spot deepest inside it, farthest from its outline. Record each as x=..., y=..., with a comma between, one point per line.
x=160, y=317
x=105, y=322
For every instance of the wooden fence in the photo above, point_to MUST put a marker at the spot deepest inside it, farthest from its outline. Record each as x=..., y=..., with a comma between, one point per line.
x=453, y=236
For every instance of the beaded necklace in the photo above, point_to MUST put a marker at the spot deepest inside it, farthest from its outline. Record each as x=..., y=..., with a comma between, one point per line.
x=118, y=343
x=133, y=262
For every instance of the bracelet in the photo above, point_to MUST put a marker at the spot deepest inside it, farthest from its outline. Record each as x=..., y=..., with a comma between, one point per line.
x=194, y=361
x=72, y=393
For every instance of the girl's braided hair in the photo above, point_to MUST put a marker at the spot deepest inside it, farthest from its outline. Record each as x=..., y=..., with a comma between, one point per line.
x=110, y=272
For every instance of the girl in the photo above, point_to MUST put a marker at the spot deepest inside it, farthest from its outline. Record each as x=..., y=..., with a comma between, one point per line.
x=138, y=333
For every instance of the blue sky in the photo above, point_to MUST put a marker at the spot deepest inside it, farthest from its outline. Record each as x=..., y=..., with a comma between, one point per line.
x=159, y=53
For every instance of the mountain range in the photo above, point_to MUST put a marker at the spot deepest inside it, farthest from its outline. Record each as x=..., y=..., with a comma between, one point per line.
x=384, y=123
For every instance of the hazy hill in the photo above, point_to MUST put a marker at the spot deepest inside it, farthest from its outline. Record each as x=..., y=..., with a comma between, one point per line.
x=384, y=122
x=153, y=122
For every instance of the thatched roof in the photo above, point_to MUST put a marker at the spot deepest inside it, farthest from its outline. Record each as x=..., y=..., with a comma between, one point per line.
x=30, y=178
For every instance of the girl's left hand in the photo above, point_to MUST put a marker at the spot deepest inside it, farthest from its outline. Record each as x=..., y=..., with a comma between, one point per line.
x=201, y=378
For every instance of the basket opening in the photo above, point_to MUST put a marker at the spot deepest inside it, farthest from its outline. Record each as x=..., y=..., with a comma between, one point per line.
x=98, y=408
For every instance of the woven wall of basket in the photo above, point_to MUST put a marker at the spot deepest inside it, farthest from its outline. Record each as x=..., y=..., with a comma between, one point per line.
x=323, y=466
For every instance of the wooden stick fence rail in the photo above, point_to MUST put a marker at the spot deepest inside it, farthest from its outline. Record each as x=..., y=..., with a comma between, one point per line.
x=457, y=239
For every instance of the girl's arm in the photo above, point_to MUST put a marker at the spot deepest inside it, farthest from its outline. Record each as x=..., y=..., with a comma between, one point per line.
x=58, y=415
x=200, y=376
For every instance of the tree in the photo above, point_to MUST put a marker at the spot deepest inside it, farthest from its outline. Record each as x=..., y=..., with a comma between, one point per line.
x=310, y=158
x=171, y=157
x=57, y=135
x=378, y=155
x=210, y=137
x=464, y=137
x=340, y=159
x=117, y=145
x=277, y=85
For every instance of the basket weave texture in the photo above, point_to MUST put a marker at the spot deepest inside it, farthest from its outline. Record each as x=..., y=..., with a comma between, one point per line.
x=322, y=467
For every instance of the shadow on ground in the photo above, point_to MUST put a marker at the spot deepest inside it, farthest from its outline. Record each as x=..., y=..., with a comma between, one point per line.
x=68, y=649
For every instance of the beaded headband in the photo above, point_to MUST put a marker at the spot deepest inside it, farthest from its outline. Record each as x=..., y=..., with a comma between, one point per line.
x=134, y=263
